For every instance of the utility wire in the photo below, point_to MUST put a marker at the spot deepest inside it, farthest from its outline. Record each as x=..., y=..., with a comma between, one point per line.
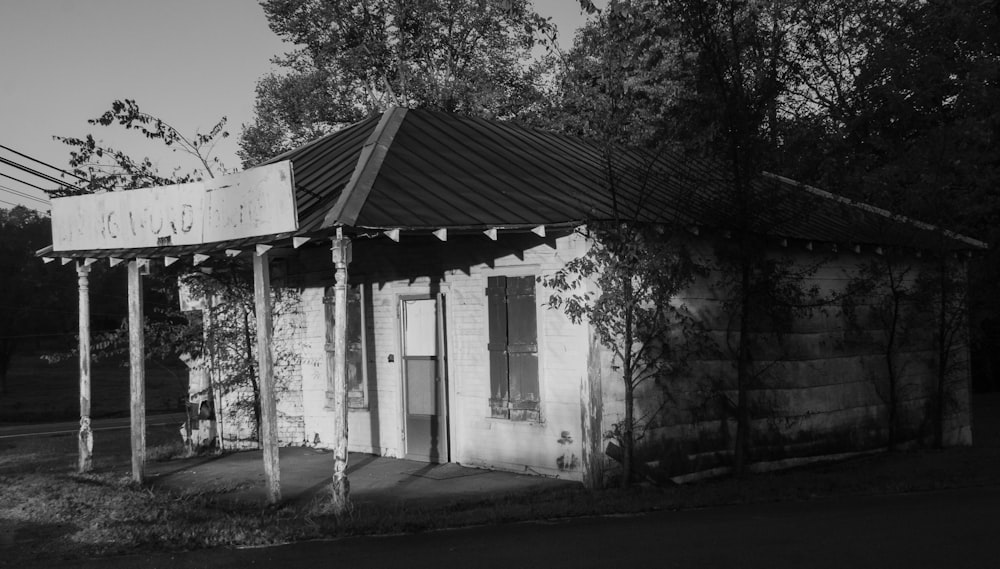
x=25, y=183
x=42, y=163
x=22, y=194
x=42, y=175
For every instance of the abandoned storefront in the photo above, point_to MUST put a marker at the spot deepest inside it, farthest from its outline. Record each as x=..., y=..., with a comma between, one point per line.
x=442, y=228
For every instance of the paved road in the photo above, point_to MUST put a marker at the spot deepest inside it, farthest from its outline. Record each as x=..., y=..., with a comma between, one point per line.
x=97, y=425
x=949, y=529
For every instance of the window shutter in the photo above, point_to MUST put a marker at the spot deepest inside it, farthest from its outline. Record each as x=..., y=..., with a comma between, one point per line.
x=522, y=343
x=355, y=361
x=496, y=296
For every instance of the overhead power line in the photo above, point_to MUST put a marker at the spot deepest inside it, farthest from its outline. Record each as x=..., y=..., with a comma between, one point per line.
x=22, y=195
x=25, y=183
x=9, y=149
x=34, y=172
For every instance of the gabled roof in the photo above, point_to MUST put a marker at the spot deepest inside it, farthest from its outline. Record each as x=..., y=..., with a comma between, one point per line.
x=422, y=170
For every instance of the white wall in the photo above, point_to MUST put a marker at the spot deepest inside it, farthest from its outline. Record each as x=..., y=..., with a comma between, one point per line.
x=476, y=439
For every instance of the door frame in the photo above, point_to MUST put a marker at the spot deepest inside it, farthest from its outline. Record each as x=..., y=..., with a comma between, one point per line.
x=444, y=396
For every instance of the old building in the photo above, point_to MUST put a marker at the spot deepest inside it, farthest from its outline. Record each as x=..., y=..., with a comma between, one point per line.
x=444, y=225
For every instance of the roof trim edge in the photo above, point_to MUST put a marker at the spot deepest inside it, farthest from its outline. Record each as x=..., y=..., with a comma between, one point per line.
x=879, y=211
x=373, y=153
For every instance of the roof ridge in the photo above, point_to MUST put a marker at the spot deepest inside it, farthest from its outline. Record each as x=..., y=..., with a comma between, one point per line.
x=354, y=195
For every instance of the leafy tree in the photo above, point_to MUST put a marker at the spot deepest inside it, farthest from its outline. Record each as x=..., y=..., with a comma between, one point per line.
x=612, y=87
x=30, y=290
x=108, y=168
x=619, y=81
x=638, y=272
x=883, y=294
x=914, y=128
x=465, y=56
x=169, y=333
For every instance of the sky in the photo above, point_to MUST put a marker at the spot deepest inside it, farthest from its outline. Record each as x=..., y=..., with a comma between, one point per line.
x=189, y=62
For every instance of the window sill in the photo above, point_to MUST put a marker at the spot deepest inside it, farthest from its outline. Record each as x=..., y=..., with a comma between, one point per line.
x=539, y=422
x=354, y=403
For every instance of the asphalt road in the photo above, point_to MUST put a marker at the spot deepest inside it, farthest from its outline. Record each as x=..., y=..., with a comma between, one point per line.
x=948, y=529
x=96, y=425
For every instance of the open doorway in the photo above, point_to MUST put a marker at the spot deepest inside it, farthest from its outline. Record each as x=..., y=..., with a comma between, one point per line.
x=424, y=378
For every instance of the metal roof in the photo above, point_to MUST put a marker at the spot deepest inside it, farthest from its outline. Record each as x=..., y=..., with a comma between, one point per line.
x=422, y=170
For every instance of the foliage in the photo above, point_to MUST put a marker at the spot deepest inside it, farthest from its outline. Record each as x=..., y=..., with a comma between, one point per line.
x=636, y=274
x=880, y=308
x=470, y=57
x=107, y=168
x=31, y=291
x=229, y=340
x=620, y=79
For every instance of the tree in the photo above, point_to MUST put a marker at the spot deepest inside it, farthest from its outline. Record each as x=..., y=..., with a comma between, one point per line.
x=884, y=294
x=612, y=87
x=469, y=57
x=638, y=271
x=107, y=168
x=29, y=289
x=914, y=127
x=739, y=73
x=168, y=332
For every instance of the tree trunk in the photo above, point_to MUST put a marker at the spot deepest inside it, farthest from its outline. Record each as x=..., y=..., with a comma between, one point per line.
x=254, y=384
x=942, y=352
x=890, y=363
x=743, y=374
x=627, y=371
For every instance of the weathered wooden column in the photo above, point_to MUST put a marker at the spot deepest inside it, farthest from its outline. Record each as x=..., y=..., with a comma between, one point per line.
x=265, y=370
x=341, y=490
x=86, y=441
x=137, y=370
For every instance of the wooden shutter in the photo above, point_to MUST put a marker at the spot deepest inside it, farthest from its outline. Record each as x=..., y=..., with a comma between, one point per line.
x=496, y=296
x=513, y=348
x=522, y=343
x=355, y=351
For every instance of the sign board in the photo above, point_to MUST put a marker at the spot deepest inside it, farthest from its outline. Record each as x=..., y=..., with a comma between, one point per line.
x=252, y=203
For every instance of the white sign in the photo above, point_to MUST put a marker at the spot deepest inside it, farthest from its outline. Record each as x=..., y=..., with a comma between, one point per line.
x=259, y=201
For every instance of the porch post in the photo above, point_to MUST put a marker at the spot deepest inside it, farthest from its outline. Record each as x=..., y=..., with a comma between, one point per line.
x=86, y=440
x=265, y=367
x=341, y=254
x=137, y=371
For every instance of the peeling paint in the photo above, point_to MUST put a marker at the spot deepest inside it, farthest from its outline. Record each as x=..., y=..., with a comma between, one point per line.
x=567, y=460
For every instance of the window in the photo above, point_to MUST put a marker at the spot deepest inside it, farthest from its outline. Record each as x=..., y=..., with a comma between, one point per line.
x=356, y=368
x=513, y=348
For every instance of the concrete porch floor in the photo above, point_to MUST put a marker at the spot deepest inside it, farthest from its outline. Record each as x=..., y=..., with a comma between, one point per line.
x=306, y=472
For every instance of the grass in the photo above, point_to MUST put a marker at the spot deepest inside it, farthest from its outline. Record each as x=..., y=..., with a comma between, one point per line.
x=48, y=513
x=38, y=391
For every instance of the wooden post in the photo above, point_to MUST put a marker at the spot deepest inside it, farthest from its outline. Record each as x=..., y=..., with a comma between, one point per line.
x=341, y=490
x=265, y=368
x=86, y=440
x=137, y=371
